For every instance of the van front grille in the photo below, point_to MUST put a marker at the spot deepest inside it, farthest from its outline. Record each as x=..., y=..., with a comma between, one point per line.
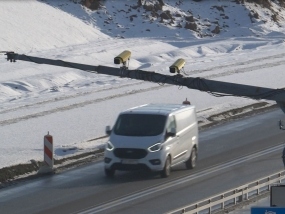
x=129, y=153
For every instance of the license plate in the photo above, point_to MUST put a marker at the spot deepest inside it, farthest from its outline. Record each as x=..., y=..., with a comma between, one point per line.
x=129, y=161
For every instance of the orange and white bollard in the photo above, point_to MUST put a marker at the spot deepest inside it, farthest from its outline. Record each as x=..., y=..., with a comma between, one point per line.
x=48, y=150
x=48, y=155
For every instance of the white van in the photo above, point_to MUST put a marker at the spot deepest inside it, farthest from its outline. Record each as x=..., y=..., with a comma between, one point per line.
x=154, y=137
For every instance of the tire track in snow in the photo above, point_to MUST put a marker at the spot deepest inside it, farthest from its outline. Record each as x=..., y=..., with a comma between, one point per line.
x=76, y=105
x=244, y=63
x=61, y=98
x=244, y=70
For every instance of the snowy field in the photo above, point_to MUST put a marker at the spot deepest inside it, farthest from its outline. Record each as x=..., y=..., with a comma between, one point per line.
x=75, y=106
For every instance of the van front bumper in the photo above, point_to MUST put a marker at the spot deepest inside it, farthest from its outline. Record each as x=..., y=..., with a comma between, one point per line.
x=149, y=163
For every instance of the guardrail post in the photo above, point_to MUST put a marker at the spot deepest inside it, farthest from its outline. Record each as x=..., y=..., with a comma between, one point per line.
x=257, y=183
x=240, y=198
x=210, y=208
x=197, y=208
x=246, y=195
x=280, y=175
x=223, y=203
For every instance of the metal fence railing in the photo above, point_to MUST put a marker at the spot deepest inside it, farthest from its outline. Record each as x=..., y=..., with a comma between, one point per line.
x=232, y=197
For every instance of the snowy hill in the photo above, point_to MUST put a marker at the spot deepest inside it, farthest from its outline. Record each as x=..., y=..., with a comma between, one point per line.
x=52, y=24
x=181, y=19
x=32, y=25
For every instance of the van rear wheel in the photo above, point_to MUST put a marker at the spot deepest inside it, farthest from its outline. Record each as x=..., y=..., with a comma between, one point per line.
x=191, y=162
x=110, y=173
x=167, y=168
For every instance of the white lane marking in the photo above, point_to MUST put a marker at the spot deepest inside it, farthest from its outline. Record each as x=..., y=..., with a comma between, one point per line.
x=173, y=183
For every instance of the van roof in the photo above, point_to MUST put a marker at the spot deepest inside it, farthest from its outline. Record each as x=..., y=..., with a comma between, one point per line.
x=164, y=109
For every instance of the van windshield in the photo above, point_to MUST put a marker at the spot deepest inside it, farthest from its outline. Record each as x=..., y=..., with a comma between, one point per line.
x=140, y=124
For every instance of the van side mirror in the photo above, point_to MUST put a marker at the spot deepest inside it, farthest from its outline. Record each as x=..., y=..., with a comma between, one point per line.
x=172, y=133
x=108, y=130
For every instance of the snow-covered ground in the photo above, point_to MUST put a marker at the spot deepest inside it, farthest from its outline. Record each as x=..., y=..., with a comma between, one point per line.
x=75, y=106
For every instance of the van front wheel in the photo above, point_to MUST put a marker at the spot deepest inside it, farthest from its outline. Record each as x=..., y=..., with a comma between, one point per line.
x=167, y=168
x=191, y=162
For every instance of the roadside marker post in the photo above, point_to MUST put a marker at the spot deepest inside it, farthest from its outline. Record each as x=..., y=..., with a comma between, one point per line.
x=48, y=155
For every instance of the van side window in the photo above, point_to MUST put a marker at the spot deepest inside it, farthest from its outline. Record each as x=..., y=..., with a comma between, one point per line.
x=171, y=124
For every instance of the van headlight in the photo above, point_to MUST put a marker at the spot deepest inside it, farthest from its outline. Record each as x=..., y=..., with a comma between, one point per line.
x=109, y=146
x=155, y=148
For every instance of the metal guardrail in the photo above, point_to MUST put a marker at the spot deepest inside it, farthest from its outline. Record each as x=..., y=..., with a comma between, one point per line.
x=231, y=197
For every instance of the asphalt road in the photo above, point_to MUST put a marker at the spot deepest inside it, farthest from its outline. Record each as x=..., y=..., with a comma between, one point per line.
x=230, y=155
